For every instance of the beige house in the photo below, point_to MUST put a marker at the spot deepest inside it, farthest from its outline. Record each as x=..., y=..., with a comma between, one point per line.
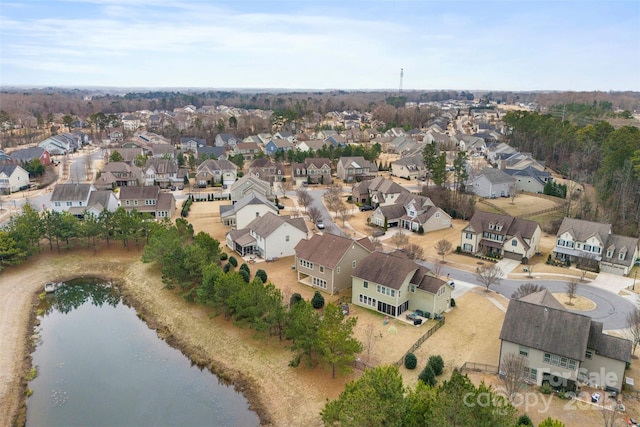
x=353, y=169
x=492, y=233
x=410, y=167
x=391, y=283
x=535, y=327
x=411, y=212
x=148, y=199
x=327, y=261
x=249, y=184
x=378, y=191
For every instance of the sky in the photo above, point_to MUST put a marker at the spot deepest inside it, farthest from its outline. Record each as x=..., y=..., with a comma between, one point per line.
x=519, y=45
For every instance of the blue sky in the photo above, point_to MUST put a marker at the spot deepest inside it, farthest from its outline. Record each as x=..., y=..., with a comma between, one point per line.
x=307, y=44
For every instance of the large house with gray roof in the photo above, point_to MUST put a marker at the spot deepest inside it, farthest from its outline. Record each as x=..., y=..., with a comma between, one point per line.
x=25, y=155
x=212, y=172
x=391, y=283
x=268, y=236
x=586, y=242
x=355, y=169
x=62, y=144
x=80, y=199
x=411, y=212
x=13, y=178
x=312, y=171
x=378, y=191
x=492, y=183
x=536, y=328
x=410, y=167
x=530, y=179
x=490, y=233
x=248, y=184
x=327, y=261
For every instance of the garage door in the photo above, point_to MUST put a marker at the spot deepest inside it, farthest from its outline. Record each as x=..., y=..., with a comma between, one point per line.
x=513, y=255
x=612, y=269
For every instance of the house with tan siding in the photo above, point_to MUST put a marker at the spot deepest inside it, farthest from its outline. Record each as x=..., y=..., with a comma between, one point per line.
x=326, y=261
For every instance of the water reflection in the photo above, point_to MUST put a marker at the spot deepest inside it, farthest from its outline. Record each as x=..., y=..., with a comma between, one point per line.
x=100, y=365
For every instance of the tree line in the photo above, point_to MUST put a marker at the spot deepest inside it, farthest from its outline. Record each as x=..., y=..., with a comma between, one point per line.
x=596, y=154
x=193, y=264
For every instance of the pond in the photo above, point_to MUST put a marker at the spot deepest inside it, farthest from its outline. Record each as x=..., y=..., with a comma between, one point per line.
x=100, y=365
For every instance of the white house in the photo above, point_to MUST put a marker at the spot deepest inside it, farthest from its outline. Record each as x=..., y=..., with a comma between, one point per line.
x=245, y=210
x=493, y=183
x=269, y=236
x=13, y=178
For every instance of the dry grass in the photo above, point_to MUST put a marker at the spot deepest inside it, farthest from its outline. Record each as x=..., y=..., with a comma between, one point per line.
x=576, y=303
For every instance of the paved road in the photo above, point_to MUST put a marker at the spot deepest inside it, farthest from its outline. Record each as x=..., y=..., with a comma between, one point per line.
x=611, y=309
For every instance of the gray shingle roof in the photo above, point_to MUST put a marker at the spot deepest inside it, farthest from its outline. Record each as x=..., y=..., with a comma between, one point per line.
x=510, y=226
x=70, y=192
x=391, y=270
x=581, y=229
x=326, y=249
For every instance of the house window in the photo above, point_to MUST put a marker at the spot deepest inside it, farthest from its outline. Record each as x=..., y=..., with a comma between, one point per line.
x=367, y=300
x=338, y=270
x=563, y=362
x=588, y=354
x=621, y=255
x=80, y=203
x=524, y=351
x=135, y=203
x=257, y=214
x=286, y=238
x=437, y=215
x=491, y=226
x=353, y=263
x=319, y=283
x=555, y=359
x=467, y=235
x=587, y=248
x=306, y=264
x=321, y=269
x=609, y=254
x=412, y=288
x=514, y=242
x=547, y=358
x=69, y=203
x=56, y=204
x=365, y=284
x=127, y=202
x=572, y=364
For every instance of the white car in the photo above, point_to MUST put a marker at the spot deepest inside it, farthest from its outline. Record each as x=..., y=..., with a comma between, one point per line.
x=320, y=224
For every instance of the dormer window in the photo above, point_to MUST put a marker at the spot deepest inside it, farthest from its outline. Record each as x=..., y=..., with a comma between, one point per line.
x=491, y=226
x=498, y=227
x=622, y=255
x=609, y=253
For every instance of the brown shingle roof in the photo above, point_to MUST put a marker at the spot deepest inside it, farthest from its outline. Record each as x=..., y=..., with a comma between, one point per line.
x=327, y=249
x=607, y=345
x=581, y=230
x=391, y=270
x=543, y=298
x=510, y=225
x=545, y=329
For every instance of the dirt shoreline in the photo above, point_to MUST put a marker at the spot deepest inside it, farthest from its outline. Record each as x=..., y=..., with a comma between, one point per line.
x=250, y=364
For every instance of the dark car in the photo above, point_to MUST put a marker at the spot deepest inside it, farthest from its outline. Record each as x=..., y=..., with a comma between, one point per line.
x=180, y=187
x=173, y=188
x=366, y=208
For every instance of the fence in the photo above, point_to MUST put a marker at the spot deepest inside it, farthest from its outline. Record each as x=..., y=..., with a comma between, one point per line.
x=422, y=339
x=479, y=367
x=542, y=212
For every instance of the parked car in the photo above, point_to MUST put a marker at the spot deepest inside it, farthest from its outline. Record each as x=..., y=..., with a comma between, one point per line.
x=364, y=208
x=173, y=188
x=180, y=187
x=452, y=284
x=320, y=224
x=280, y=206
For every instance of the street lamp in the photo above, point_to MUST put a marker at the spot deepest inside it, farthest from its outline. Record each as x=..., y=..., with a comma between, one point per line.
x=635, y=276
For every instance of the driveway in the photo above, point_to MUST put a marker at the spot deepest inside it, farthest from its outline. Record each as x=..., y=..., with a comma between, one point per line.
x=611, y=309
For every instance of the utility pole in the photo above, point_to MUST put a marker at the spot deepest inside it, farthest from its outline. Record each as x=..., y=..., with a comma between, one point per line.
x=401, y=77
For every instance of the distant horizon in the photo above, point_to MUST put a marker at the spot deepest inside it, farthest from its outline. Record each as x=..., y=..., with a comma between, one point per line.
x=288, y=45
x=302, y=90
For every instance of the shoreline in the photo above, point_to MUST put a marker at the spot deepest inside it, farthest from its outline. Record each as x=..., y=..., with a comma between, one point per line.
x=24, y=315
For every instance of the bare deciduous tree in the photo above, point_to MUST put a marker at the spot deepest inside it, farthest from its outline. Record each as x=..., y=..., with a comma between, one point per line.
x=444, y=248
x=87, y=165
x=399, y=239
x=377, y=243
x=284, y=187
x=572, y=287
x=344, y=213
x=414, y=251
x=633, y=326
x=369, y=339
x=526, y=289
x=304, y=198
x=512, y=370
x=314, y=213
x=489, y=275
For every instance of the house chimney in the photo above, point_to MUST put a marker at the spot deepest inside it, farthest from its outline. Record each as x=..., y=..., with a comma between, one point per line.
x=502, y=164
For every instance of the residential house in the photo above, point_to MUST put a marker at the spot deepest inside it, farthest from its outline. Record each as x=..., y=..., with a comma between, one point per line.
x=276, y=145
x=163, y=151
x=312, y=171
x=411, y=212
x=517, y=160
x=80, y=199
x=499, y=148
x=119, y=174
x=131, y=122
x=530, y=179
x=13, y=178
x=116, y=136
x=392, y=284
x=148, y=199
x=409, y=167
x=26, y=155
x=264, y=138
x=212, y=172
x=129, y=155
x=226, y=140
x=355, y=169
x=208, y=152
x=286, y=135
x=162, y=172
x=248, y=184
x=191, y=144
x=269, y=236
x=62, y=143
x=327, y=261
x=311, y=145
x=378, y=191
x=587, y=242
x=536, y=327
x=248, y=150
x=336, y=141
x=267, y=169
x=401, y=145
x=492, y=183
x=491, y=233
x=245, y=210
